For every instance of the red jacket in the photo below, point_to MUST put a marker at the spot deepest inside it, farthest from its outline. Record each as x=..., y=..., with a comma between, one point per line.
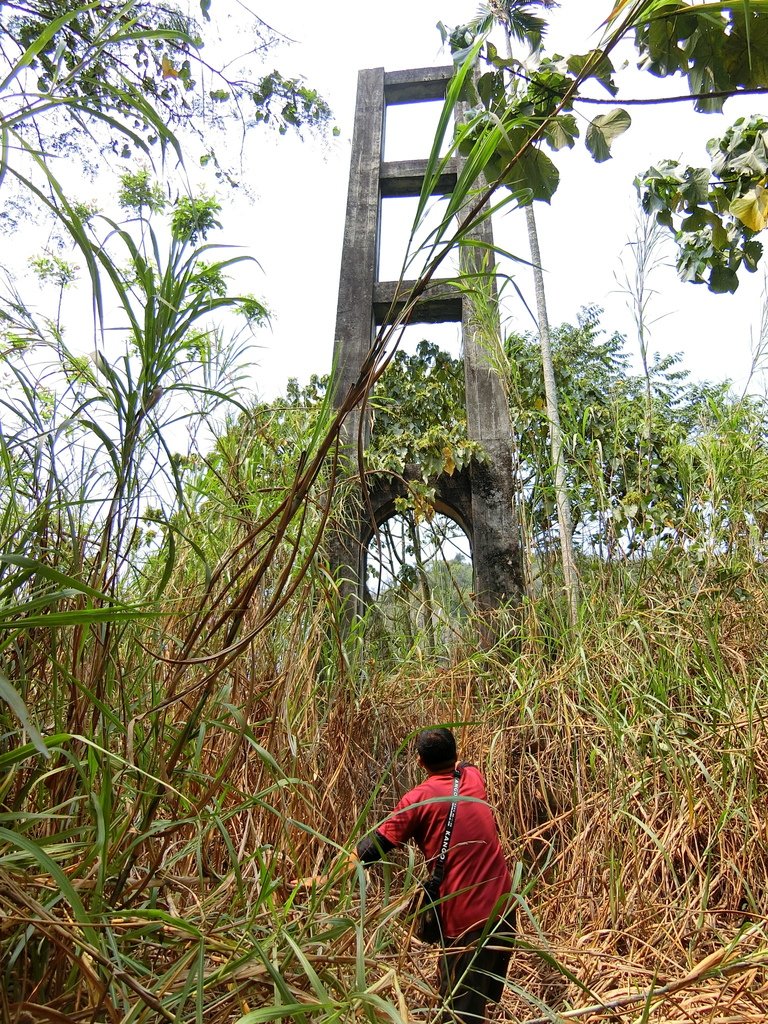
x=476, y=876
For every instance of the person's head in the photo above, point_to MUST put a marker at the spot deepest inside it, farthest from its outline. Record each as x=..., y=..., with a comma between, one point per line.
x=436, y=749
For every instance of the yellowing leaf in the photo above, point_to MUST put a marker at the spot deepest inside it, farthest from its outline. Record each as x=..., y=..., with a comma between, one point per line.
x=169, y=71
x=449, y=465
x=752, y=208
x=618, y=8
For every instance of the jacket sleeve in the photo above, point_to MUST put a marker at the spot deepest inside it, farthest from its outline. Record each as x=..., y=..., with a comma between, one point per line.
x=404, y=822
x=374, y=847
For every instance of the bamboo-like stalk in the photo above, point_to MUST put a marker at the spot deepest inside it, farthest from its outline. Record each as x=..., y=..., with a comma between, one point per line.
x=506, y=16
x=562, y=496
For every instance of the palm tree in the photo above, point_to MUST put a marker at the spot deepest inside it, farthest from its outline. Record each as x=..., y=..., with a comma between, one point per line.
x=519, y=20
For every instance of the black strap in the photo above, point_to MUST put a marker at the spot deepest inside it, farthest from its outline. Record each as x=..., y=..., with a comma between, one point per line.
x=439, y=872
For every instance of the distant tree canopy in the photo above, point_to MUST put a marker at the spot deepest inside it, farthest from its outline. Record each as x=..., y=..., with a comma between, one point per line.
x=623, y=465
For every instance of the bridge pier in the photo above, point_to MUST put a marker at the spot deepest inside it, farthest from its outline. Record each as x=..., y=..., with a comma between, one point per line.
x=482, y=499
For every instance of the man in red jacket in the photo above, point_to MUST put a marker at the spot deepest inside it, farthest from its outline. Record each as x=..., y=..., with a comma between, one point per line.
x=476, y=914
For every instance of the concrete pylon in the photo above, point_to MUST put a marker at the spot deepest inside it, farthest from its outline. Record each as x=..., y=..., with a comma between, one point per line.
x=482, y=499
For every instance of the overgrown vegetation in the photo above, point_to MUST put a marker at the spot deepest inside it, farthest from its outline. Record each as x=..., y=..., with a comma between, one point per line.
x=185, y=730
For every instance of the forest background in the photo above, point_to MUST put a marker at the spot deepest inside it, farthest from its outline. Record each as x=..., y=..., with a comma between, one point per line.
x=187, y=725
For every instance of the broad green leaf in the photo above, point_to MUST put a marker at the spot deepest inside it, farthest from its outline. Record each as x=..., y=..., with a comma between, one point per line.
x=562, y=131
x=534, y=173
x=695, y=185
x=599, y=67
x=13, y=699
x=702, y=218
x=723, y=280
x=491, y=87
x=752, y=208
x=604, y=130
x=658, y=39
x=749, y=35
x=753, y=250
x=498, y=61
x=704, y=60
x=719, y=235
x=752, y=161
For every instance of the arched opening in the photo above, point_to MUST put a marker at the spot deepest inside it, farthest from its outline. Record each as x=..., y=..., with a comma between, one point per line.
x=419, y=579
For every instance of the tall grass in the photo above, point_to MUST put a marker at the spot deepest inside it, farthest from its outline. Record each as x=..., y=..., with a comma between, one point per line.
x=149, y=862
x=187, y=730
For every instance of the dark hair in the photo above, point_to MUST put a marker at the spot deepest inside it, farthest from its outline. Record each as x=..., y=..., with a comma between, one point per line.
x=437, y=748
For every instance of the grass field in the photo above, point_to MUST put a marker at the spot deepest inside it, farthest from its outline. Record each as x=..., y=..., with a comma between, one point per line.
x=627, y=761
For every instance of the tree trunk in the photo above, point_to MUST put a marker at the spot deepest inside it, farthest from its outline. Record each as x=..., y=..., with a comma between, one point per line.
x=565, y=521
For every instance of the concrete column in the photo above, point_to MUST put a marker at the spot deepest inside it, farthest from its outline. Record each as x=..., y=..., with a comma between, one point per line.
x=354, y=315
x=491, y=513
x=359, y=260
x=496, y=549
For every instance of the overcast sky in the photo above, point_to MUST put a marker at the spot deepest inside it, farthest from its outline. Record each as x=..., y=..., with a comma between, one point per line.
x=293, y=221
x=295, y=227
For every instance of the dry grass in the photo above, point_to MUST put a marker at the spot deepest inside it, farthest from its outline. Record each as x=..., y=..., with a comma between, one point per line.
x=629, y=767
x=630, y=784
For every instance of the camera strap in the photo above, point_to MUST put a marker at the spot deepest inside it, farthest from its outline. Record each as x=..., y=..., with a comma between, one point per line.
x=439, y=871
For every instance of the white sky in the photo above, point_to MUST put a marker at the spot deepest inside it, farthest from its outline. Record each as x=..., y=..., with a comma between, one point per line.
x=293, y=225
x=295, y=228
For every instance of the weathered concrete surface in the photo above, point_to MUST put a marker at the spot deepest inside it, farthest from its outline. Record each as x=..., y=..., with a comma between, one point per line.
x=406, y=177
x=359, y=270
x=417, y=84
x=441, y=303
x=482, y=499
x=453, y=497
x=354, y=313
x=497, y=553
